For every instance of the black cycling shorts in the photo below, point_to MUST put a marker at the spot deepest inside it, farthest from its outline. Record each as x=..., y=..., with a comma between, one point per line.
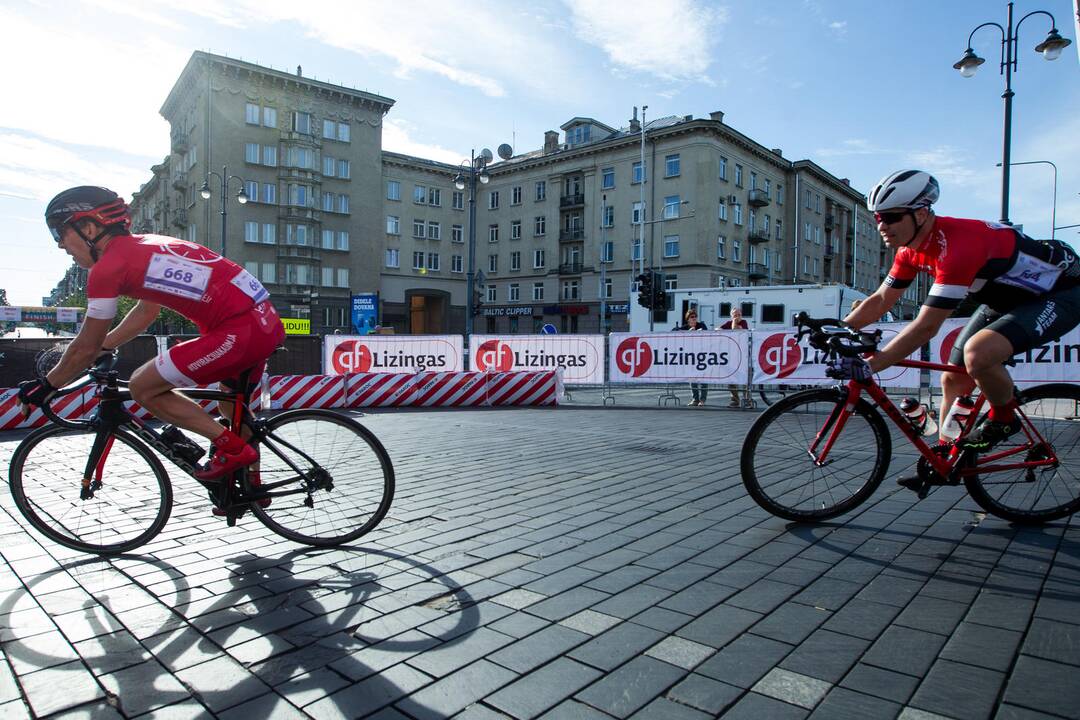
x=1026, y=326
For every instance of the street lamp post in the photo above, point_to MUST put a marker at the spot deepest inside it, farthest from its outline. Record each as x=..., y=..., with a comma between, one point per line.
x=1053, y=207
x=652, y=244
x=223, y=180
x=476, y=172
x=969, y=64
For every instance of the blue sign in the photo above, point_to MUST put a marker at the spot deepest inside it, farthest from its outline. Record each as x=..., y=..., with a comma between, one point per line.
x=365, y=313
x=548, y=329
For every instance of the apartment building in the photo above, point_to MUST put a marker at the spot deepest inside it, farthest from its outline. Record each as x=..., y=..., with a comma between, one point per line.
x=558, y=228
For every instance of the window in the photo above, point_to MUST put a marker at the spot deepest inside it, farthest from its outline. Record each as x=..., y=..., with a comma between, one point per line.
x=344, y=132
x=457, y=202
x=251, y=114
x=608, y=217
x=300, y=157
x=817, y=235
x=766, y=225
x=493, y=263
x=538, y=259
x=671, y=246
x=269, y=272
x=344, y=169
x=269, y=117
x=301, y=122
x=251, y=189
x=515, y=229
x=393, y=190
x=434, y=230
x=434, y=197
x=328, y=240
x=806, y=264
x=269, y=234
x=419, y=194
x=296, y=235
x=343, y=281
x=778, y=262
x=752, y=222
x=723, y=168
x=269, y=155
x=251, y=152
x=671, y=283
x=571, y=290
x=269, y=193
x=736, y=250
x=671, y=207
x=723, y=210
x=635, y=250
x=515, y=195
x=608, y=288
x=538, y=291
x=541, y=190
x=635, y=213
x=607, y=178
x=514, y=294
x=419, y=228
x=779, y=194
x=607, y=252
x=779, y=229
x=768, y=188
x=343, y=203
x=753, y=180
x=327, y=277
x=418, y=260
x=433, y=261
x=806, y=232
x=638, y=174
x=738, y=175
x=671, y=166
x=342, y=240
x=809, y=200
x=493, y=200
x=815, y=267
x=251, y=232
x=328, y=202
x=329, y=129
x=721, y=247
x=456, y=263
x=492, y=294
x=515, y=260
x=738, y=214
x=329, y=166
x=540, y=226
x=493, y=233
x=457, y=233
x=817, y=203
x=393, y=258
x=393, y=225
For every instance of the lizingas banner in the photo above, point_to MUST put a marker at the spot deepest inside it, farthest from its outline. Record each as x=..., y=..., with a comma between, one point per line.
x=704, y=356
x=392, y=353
x=580, y=357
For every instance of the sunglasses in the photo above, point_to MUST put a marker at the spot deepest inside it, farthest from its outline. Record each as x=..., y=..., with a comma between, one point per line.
x=891, y=218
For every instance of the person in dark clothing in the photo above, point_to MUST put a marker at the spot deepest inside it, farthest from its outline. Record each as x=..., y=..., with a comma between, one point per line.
x=735, y=323
x=699, y=391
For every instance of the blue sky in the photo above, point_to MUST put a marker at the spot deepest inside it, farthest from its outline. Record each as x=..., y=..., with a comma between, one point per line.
x=859, y=87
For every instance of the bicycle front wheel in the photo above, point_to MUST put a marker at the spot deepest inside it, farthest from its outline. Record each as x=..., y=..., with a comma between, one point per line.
x=345, y=482
x=129, y=508
x=779, y=461
x=1040, y=494
x=770, y=394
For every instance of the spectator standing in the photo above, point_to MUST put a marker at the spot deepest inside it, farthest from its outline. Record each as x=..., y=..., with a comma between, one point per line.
x=699, y=391
x=736, y=322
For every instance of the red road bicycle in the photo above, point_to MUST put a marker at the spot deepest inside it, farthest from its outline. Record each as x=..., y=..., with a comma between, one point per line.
x=820, y=453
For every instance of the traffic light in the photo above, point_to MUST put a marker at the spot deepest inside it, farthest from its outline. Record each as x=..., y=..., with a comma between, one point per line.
x=659, y=293
x=478, y=299
x=645, y=290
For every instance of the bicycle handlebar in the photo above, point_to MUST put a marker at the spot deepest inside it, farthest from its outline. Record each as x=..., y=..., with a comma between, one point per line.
x=100, y=373
x=835, y=337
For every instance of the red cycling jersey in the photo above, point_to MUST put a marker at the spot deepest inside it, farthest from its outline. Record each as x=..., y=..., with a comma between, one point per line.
x=189, y=278
x=1001, y=267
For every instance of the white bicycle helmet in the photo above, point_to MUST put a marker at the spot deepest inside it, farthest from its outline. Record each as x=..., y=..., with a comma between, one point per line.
x=904, y=189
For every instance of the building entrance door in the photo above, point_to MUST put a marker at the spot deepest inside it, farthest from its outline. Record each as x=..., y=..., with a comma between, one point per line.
x=427, y=314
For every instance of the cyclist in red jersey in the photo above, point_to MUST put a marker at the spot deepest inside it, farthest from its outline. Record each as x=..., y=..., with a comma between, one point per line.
x=238, y=325
x=1029, y=290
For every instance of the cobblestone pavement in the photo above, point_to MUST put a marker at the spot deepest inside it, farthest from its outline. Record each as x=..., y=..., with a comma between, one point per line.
x=583, y=562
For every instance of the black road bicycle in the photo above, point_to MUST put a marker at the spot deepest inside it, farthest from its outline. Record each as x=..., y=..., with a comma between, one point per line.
x=96, y=485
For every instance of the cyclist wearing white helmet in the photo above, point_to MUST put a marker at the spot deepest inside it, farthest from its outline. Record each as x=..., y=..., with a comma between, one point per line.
x=1029, y=292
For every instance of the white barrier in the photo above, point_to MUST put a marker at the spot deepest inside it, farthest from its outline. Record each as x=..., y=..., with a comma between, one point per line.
x=392, y=354
x=1057, y=361
x=580, y=357
x=708, y=357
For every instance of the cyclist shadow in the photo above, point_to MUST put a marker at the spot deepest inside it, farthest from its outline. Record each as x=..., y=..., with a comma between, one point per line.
x=280, y=632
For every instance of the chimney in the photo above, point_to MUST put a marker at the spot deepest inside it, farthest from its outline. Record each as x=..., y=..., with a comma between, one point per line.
x=778, y=152
x=551, y=142
x=635, y=124
x=717, y=115
x=299, y=71
x=846, y=181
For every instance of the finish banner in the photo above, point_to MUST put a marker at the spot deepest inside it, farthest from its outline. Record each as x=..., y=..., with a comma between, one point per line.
x=781, y=360
x=1057, y=361
x=705, y=356
x=392, y=354
x=580, y=357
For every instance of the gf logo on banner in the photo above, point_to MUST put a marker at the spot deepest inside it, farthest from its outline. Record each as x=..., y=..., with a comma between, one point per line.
x=634, y=356
x=779, y=355
x=351, y=356
x=494, y=356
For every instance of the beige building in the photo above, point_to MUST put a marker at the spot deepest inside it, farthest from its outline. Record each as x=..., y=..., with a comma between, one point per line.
x=559, y=228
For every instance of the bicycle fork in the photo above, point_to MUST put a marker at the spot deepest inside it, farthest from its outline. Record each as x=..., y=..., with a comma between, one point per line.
x=832, y=428
x=95, y=464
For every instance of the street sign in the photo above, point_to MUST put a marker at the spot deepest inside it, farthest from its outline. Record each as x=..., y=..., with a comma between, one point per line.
x=548, y=329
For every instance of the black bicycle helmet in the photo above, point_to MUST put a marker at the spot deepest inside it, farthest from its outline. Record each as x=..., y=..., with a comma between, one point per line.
x=99, y=204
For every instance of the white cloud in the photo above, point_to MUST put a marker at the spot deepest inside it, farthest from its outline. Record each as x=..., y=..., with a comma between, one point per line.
x=671, y=40
x=396, y=138
x=839, y=27
x=35, y=168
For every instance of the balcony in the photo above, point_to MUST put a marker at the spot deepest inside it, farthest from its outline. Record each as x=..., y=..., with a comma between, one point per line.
x=299, y=252
x=299, y=212
x=757, y=235
x=179, y=181
x=179, y=218
x=830, y=222
x=306, y=175
x=571, y=268
x=758, y=198
x=757, y=271
x=572, y=201
x=179, y=140
x=572, y=235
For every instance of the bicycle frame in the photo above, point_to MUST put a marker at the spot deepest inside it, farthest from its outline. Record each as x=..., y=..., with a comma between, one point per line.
x=945, y=466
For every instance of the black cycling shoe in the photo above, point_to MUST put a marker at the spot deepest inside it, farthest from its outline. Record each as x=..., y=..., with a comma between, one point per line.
x=989, y=433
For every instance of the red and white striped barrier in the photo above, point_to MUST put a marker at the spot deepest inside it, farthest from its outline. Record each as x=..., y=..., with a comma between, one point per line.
x=524, y=388
x=306, y=391
x=380, y=389
x=451, y=389
x=69, y=407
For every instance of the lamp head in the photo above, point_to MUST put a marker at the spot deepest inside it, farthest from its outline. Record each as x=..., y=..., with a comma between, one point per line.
x=1052, y=46
x=204, y=191
x=969, y=64
x=459, y=181
x=242, y=196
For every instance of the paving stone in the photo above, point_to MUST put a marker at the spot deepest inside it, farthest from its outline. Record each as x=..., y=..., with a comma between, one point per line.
x=144, y=687
x=265, y=706
x=456, y=691
x=622, y=692
x=705, y=694
x=744, y=661
x=932, y=614
x=958, y=690
x=792, y=687
x=664, y=709
x=981, y=645
x=590, y=622
x=477, y=711
x=221, y=683
x=753, y=706
x=1003, y=611
x=614, y=647
x=78, y=686
x=312, y=686
x=825, y=655
x=661, y=619
x=719, y=626
x=862, y=618
x=458, y=653
x=1013, y=712
x=844, y=704
x=567, y=603
x=44, y=650
x=543, y=688
x=574, y=710
x=630, y=602
x=100, y=710
x=905, y=650
x=763, y=596
x=881, y=683
x=891, y=590
x=1042, y=685
x=538, y=648
x=519, y=624
x=698, y=598
x=518, y=599
x=1059, y=642
x=791, y=623
x=367, y=696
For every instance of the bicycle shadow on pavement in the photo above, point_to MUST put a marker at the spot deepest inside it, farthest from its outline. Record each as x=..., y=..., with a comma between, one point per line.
x=283, y=633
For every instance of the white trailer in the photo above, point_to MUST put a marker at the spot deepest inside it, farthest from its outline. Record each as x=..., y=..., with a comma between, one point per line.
x=763, y=306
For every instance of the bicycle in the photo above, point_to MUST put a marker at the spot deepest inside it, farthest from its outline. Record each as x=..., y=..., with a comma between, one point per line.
x=328, y=478
x=820, y=453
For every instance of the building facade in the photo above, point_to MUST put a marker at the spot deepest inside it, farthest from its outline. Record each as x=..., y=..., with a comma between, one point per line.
x=560, y=230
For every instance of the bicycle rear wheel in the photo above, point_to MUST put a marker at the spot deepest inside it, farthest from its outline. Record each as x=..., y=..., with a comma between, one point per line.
x=130, y=507
x=770, y=394
x=1037, y=495
x=782, y=477
x=346, y=480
